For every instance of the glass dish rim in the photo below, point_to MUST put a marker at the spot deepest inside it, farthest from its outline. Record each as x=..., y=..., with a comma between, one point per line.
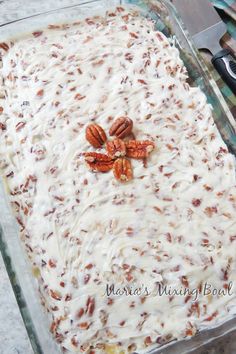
x=4, y=248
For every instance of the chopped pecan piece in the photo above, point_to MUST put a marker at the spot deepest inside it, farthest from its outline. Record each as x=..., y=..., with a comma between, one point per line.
x=52, y=263
x=83, y=325
x=20, y=125
x=87, y=278
x=98, y=162
x=116, y=148
x=147, y=341
x=40, y=93
x=184, y=281
x=132, y=347
x=95, y=135
x=79, y=97
x=55, y=294
x=37, y=34
x=55, y=324
x=139, y=149
x=80, y=313
x=196, y=202
x=122, y=170
x=90, y=305
x=103, y=316
x=210, y=318
x=4, y=46
x=3, y=126
x=121, y=127
x=209, y=211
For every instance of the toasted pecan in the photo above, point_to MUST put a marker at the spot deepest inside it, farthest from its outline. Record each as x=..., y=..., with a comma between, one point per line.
x=122, y=170
x=138, y=149
x=116, y=148
x=121, y=127
x=98, y=162
x=95, y=135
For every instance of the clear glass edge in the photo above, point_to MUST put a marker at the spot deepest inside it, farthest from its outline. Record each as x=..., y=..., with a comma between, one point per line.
x=19, y=268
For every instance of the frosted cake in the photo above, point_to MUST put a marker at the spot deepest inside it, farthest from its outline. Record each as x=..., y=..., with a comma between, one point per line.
x=103, y=244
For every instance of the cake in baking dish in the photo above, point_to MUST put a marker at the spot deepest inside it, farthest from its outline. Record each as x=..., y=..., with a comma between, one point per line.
x=123, y=258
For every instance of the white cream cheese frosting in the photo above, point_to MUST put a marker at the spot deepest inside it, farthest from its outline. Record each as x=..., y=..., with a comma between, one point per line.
x=173, y=225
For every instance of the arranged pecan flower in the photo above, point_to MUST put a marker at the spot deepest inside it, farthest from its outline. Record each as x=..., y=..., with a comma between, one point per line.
x=116, y=149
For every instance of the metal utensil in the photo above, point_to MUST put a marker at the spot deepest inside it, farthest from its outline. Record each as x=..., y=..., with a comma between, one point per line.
x=206, y=28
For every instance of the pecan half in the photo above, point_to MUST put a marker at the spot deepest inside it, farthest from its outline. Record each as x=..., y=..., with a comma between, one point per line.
x=122, y=170
x=116, y=148
x=98, y=162
x=95, y=135
x=121, y=127
x=139, y=149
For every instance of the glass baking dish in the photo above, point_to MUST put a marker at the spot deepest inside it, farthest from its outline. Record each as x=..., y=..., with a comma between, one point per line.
x=21, y=273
